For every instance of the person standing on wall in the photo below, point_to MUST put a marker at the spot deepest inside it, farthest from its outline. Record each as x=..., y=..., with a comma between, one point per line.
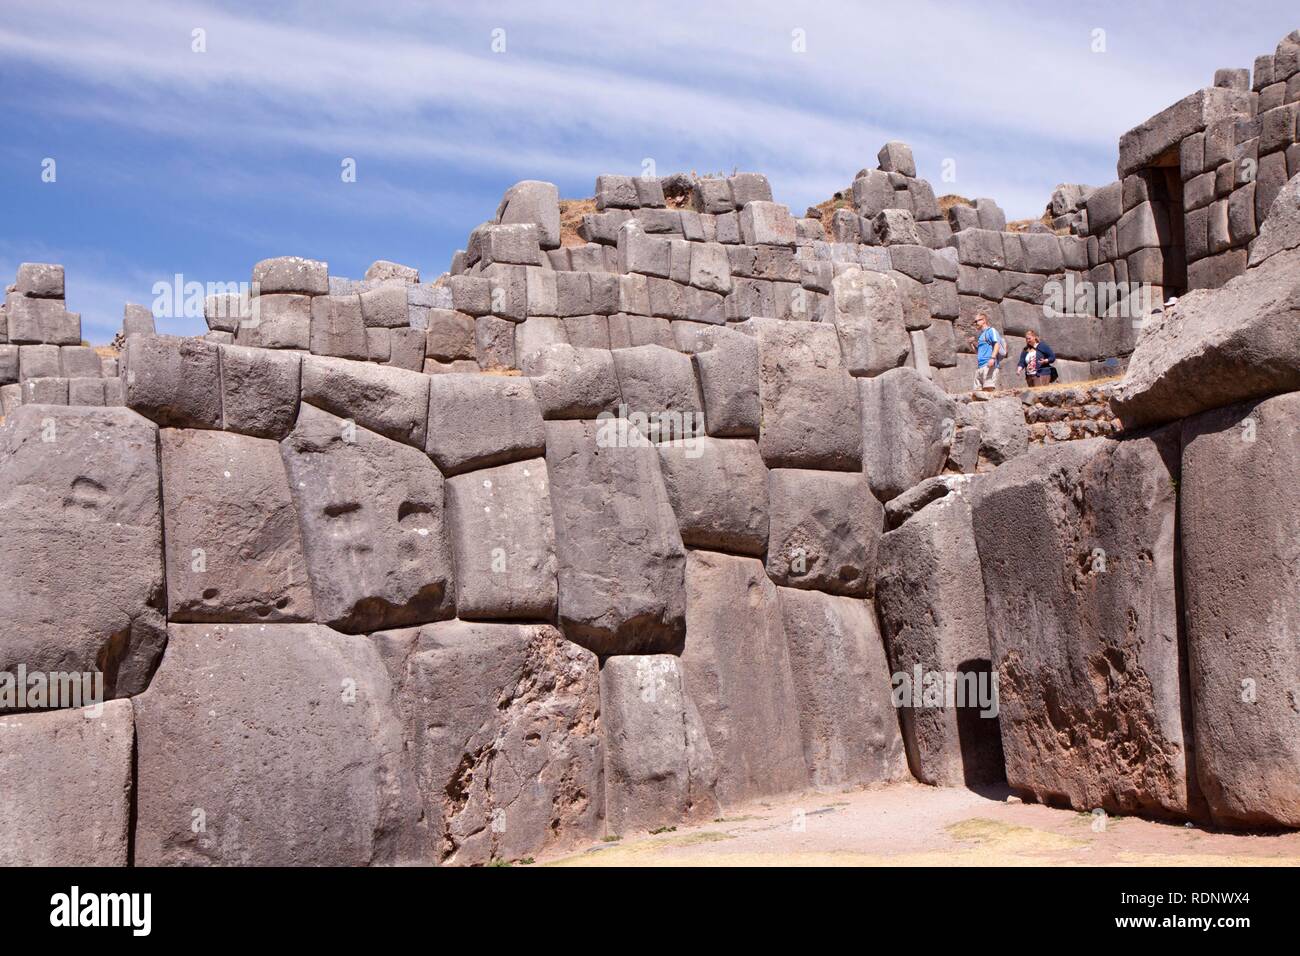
x=990, y=349
x=1036, y=360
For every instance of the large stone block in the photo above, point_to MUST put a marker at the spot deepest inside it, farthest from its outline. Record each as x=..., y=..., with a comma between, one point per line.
x=502, y=730
x=807, y=399
x=337, y=326
x=503, y=542
x=1240, y=523
x=621, y=560
x=233, y=547
x=718, y=490
x=1218, y=347
x=728, y=381
x=173, y=381
x=1149, y=142
x=654, y=380
x=659, y=767
x=476, y=421
x=571, y=382
x=392, y=402
x=736, y=667
x=536, y=202
x=39, y=280
x=868, y=316
x=846, y=716
x=908, y=424
x=292, y=274
x=824, y=531
x=81, y=545
x=281, y=740
x=931, y=600
x=371, y=512
x=259, y=390
x=68, y=780
x=1280, y=231
x=1077, y=546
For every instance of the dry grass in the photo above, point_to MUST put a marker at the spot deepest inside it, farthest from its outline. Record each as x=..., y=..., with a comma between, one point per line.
x=571, y=213
x=825, y=210
x=949, y=200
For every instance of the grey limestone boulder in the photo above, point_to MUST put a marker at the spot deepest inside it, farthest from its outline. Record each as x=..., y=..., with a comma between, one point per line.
x=841, y=678
x=621, y=560
x=736, y=667
x=81, y=545
x=373, y=528
x=68, y=780
x=233, y=546
x=824, y=531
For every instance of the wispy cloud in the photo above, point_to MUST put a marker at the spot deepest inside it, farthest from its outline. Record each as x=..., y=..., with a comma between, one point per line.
x=243, y=142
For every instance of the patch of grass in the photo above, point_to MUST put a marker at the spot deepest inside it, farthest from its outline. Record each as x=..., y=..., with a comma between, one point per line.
x=571, y=213
x=610, y=838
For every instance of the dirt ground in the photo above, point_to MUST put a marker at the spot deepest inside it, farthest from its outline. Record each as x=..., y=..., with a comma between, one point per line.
x=909, y=824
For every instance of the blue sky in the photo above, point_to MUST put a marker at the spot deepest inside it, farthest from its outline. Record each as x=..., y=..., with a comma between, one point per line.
x=173, y=161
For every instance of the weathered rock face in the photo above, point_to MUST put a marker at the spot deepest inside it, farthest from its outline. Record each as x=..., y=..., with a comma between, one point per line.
x=502, y=732
x=718, y=490
x=809, y=409
x=372, y=520
x=234, y=551
x=737, y=669
x=1217, y=348
x=869, y=320
x=68, y=780
x=908, y=424
x=659, y=767
x=825, y=528
x=1241, y=579
x=264, y=744
x=841, y=678
x=620, y=555
x=1076, y=542
x=81, y=545
x=930, y=595
x=503, y=541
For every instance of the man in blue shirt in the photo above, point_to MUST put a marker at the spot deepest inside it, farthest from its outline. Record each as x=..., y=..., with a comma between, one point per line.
x=989, y=352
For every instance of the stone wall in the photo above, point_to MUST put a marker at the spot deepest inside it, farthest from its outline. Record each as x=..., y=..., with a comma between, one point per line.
x=583, y=539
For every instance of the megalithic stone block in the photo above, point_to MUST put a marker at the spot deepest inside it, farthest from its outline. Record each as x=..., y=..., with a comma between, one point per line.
x=81, y=545
x=291, y=274
x=825, y=528
x=930, y=596
x=842, y=683
x=503, y=542
x=68, y=782
x=810, y=416
x=173, y=381
x=621, y=560
x=869, y=320
x=259, y=390
x=718, y=490
x=282, y=740
x=373, y=527
x=233, y=546
x=1240, y=531
x=736, y=667
x=532, y=201
x=908, y=426
x=392, y=402
x=503, y=724
x=659, y=767
x=39, y=280
x=476, y=421
x=1084, y=624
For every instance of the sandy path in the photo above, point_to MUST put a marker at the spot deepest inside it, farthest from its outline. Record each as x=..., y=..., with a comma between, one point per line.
x=909, y=824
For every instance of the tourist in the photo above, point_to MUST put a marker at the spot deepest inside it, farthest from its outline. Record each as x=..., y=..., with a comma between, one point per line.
x=1036, y=361
x=989, y=352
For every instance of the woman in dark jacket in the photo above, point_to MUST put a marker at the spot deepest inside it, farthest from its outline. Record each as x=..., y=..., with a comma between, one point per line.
x=1036, y=360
